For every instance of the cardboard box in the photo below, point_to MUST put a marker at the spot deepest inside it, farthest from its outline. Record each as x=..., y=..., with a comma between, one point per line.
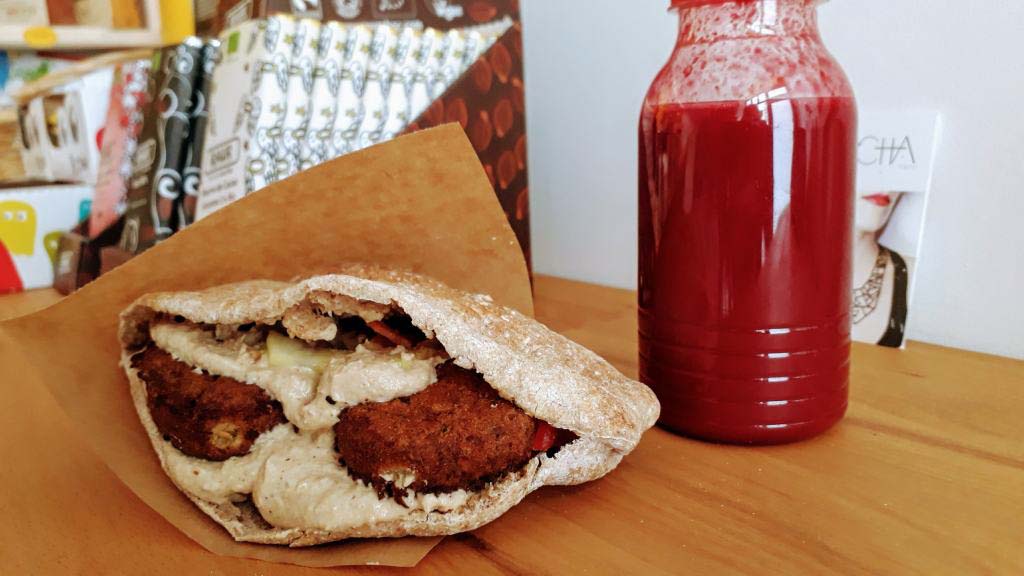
x=32, y=220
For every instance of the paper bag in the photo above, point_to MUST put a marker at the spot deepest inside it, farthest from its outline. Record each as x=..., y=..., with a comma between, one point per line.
x=421, y=202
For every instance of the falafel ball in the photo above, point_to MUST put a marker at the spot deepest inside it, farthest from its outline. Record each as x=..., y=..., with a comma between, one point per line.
x=204, y=416
x=457, y=433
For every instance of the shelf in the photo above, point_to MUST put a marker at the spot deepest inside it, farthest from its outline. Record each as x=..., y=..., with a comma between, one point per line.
x=75, y=37
x=169, y=21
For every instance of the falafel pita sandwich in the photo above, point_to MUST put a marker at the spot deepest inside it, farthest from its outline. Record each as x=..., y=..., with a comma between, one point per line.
x=421, y=202
x=369, y=403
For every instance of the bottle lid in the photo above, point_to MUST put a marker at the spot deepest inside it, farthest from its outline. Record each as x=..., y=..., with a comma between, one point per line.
x=692, y=3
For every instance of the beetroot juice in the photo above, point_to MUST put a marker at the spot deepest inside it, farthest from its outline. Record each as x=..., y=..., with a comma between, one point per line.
x=747, y=142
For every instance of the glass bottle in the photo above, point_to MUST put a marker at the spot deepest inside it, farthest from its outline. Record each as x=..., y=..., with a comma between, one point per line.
x=746, y=195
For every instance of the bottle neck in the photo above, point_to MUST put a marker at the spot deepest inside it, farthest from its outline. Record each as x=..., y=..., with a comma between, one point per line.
x=704, y=21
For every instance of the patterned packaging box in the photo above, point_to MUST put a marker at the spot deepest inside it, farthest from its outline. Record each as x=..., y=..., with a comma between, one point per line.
x=120, y=138
x=298, y=103
x=351, y=110
x=324, y=102
x=403, y=71
x=244, y=132
x=453, y=56
x=428, y=63
x=197, y=135
x=155, y=185
x=383, y=51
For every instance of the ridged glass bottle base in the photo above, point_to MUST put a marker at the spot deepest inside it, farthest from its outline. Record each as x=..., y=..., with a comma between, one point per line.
x=756, y=434
x=747, y=386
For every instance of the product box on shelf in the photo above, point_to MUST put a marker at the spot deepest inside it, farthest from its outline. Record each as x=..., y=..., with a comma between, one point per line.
x=128, y=99
x=61, y=128
x=299, y=99
x=36, y=142
x=32, y=219
x=24, y=12
x=98, y=13
x=247, y=108
x=20, y=68
x=155, y=184
x=197, y=135
x=323, y=104
x=403, y=65
x=350, y=105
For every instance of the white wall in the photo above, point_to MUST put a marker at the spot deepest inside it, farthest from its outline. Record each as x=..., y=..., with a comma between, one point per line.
x=588, y=63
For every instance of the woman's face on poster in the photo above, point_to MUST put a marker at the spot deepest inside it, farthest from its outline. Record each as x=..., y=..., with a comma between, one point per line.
x=874, y=209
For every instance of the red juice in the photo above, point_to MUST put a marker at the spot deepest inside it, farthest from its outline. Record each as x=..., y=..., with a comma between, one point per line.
x=746, y=211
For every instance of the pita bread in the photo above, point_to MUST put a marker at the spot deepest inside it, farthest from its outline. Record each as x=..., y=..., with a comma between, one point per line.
x=543, y=373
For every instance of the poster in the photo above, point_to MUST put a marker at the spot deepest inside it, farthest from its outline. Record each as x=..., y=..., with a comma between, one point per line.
x=895, y=149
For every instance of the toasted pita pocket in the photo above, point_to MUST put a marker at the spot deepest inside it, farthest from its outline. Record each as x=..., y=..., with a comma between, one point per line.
x=546, y=375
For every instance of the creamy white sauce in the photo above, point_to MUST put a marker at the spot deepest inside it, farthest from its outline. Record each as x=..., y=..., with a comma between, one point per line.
x=301, y=485
x=292, y=386
x=231, y=479
x=366, y=376
x=350, y=377
x=295, y=478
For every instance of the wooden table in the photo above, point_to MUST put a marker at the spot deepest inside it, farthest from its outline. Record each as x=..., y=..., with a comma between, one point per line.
x=924, y=476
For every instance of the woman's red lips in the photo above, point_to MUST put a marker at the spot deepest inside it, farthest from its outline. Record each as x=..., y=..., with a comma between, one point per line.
x=881, y=200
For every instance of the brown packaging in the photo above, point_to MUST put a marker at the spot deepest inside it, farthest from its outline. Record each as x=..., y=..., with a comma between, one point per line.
x=67, y=268
x=79, y=256
x=62, y=12
x=420, y=202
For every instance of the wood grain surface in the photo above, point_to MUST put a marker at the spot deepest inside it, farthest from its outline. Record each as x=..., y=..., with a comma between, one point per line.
x=924, y=476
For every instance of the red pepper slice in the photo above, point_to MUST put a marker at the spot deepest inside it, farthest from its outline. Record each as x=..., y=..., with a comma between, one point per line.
x=390, y=334
x=543, y=437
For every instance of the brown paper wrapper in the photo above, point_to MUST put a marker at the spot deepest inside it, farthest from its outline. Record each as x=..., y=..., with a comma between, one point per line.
x=420, y=202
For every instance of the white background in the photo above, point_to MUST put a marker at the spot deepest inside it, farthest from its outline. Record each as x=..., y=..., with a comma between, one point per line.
x=589, y=62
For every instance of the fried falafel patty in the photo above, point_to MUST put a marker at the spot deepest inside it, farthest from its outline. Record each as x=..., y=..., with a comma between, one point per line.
x=457, y=433
x=202, y=415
